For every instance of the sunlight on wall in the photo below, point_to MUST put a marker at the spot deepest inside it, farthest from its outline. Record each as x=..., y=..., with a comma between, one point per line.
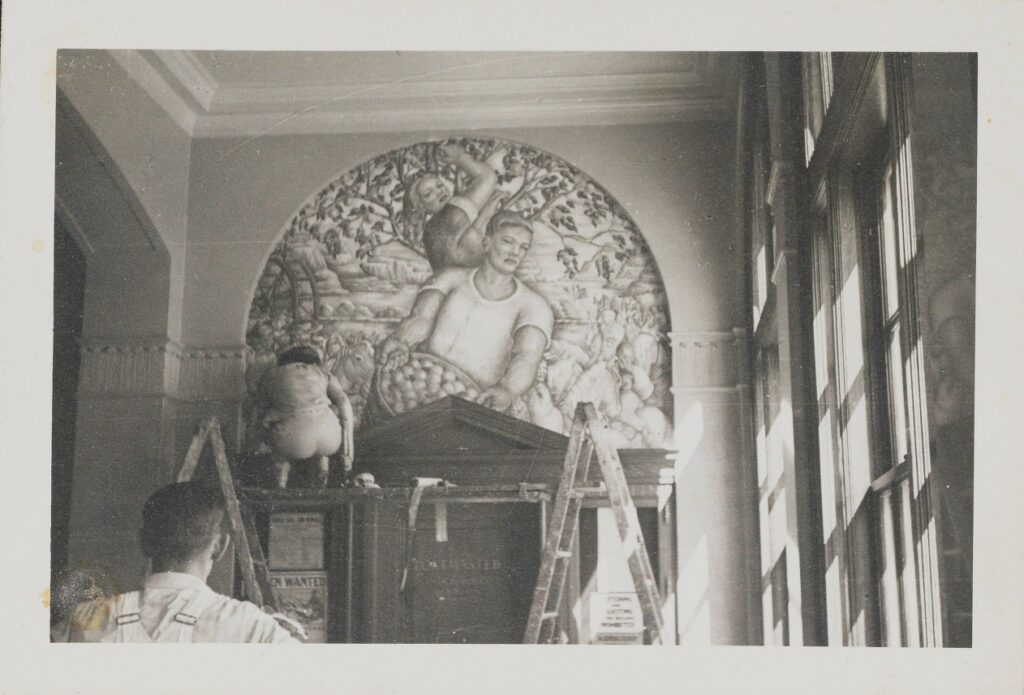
x=833, y=587
x=850, y=320
x=761, y=266
x=783, y=431
x=907, y=255
x=694, y=610
x=821, y=375
x=859, y=469
x=827, y=475
x=687, y=437
x=854, y=409
x=762, y=452
x=613, y=568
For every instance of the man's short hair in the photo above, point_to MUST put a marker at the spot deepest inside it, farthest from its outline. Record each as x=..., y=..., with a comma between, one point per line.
x=179, y=521
x=507, y=218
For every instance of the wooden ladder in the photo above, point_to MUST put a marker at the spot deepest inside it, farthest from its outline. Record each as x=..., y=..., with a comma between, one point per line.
x=588, y=436
x=255, y=575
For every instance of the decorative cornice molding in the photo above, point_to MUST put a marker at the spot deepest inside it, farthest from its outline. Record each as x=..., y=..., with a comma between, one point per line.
x=212, y=374
x=682, y=390
x=431, y=104
x=128, y=370
x=415, y=94
x=148, y=368
x=243, y=110
x=709, y=361
x=544, y=113
x=190, y=73
x=156, y=86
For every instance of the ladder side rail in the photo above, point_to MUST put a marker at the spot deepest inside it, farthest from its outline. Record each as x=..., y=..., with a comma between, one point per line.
x=556, y=527
x=568, y=546
x=628, y=524
x=644, y=557
x=195, y=448
x=238, y=533
x=261, y=568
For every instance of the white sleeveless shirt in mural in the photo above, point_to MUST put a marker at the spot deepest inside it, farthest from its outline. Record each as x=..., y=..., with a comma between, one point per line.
x=475, y=333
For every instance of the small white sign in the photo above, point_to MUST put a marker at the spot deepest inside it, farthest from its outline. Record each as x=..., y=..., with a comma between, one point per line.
x=616, y=618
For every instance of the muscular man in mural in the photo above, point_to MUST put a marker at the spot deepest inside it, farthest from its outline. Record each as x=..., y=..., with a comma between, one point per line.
x=483, y=320
x=453, y=226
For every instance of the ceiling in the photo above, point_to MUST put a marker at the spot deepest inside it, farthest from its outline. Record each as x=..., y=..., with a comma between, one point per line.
x=304, y=69
x=238, y=94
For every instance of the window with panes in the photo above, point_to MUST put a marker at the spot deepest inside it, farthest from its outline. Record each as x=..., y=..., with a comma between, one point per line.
x=873, y=463
x=879, y=220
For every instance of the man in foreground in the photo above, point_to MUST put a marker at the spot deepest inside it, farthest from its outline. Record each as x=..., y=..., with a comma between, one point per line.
x=182, y=535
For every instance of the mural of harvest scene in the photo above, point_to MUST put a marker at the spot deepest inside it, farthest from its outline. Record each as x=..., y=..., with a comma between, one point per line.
x=352, y=261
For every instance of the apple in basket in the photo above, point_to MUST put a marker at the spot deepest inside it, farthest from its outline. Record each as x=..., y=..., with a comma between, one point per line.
x=424, y=378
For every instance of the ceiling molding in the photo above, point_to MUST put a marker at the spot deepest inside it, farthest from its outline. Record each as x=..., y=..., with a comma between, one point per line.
x=536, y=114
x=157, y=87
x=179, y=82
x=191, y=75
x=414, y=92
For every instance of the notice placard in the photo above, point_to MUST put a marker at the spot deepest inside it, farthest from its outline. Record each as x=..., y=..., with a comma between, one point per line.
x=296, y=541
x=616, y=618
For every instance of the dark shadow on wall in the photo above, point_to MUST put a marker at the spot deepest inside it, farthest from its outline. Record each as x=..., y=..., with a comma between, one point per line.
x=109, y=405
x=68, y=307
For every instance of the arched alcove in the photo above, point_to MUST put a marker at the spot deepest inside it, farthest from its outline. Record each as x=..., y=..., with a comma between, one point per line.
x=112, y=419
x=351, y=261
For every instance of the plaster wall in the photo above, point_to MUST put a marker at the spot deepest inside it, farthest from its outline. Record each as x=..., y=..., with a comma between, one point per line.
x=944, y=151
x=675, y=181
x=145, y=148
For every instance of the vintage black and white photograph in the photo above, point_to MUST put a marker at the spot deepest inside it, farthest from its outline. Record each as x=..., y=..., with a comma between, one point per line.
x=535, y=347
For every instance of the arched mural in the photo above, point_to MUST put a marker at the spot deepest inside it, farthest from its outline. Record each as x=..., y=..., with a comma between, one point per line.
x=355, y=259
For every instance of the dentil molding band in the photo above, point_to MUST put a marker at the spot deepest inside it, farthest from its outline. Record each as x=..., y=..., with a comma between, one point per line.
x=166, y=369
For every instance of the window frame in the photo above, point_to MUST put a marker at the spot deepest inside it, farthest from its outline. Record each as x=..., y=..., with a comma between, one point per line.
x=865, y=132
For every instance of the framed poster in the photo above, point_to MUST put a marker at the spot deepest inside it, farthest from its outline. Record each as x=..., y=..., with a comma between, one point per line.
x=296, y=541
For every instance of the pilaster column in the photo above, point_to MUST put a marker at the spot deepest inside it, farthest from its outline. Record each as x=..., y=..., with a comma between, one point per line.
x=715, y=490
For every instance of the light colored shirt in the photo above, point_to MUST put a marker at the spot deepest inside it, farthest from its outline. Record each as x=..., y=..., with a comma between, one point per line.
x=476, y=334
x=160, y=612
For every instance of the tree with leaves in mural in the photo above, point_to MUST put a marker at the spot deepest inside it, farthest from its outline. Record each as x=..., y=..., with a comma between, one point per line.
x=369, y=205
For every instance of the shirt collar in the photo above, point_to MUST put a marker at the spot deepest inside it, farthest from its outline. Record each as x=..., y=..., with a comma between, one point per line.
x=173, y=580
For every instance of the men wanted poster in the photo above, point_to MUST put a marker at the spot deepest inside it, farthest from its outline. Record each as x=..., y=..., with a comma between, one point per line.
x=302, y=596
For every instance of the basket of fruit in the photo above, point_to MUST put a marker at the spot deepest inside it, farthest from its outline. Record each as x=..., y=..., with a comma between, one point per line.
x=423, y=378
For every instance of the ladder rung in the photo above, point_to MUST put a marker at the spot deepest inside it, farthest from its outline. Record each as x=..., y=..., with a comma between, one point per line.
x=585, y=442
